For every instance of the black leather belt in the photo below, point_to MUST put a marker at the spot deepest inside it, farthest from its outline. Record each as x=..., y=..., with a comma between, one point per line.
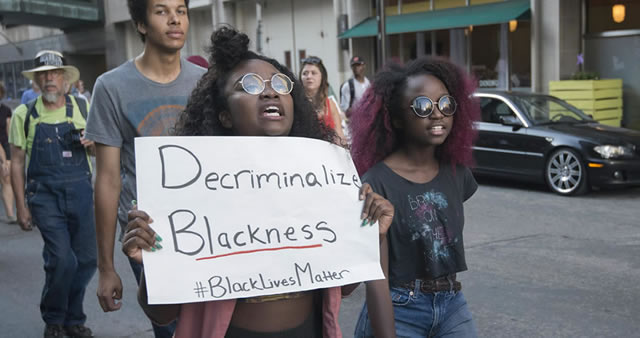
x=447, y=283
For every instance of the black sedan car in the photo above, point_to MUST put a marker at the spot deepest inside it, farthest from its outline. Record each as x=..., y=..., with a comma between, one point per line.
x=542, y=138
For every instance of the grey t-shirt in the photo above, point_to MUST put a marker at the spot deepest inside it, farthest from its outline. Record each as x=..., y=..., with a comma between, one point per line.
x=126, y=105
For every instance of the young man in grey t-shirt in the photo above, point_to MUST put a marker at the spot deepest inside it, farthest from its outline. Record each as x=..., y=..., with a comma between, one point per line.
x=142, y=97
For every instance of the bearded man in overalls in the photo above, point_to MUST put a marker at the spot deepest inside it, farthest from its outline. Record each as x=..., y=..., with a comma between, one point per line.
x=47, y=135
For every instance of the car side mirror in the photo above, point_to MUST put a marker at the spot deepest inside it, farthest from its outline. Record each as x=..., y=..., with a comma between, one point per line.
x=510, y=120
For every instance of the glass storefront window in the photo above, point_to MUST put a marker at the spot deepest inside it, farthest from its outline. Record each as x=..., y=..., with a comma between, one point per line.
x=485, y=55
x=9, y=81
x=20, y=80
x=14, y=82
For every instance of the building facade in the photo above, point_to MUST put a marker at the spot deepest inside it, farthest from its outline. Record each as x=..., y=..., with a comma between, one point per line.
x=514, y=44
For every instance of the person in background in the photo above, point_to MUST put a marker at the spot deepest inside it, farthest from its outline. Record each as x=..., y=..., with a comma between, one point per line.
x=412, y=137
x=313, y=76
x=82, y=91
x=5, y=160
x=352, y=90
x=30, y=93
x=141, y=97
x=46, y=138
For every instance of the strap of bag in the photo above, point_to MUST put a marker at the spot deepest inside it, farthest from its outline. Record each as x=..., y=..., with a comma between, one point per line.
x=31, y=110
x=82, y=104
x=352, y=90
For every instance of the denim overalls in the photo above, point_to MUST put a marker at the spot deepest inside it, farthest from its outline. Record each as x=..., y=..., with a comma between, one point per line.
x=60, y=197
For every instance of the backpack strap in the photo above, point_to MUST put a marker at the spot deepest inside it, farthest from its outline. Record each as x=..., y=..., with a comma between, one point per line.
x=31, y=110
x=82, y=104
x=352, y=90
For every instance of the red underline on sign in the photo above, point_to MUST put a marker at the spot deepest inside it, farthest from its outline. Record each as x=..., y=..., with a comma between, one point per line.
x=258, y=250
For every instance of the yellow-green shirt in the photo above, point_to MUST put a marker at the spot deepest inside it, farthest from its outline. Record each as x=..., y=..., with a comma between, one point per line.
x=16, y=132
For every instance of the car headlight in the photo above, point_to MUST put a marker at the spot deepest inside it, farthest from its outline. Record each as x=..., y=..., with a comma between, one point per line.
x=609, y=151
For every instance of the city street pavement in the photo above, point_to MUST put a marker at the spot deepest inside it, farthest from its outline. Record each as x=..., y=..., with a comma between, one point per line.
x=22, y=278
x=540, y=265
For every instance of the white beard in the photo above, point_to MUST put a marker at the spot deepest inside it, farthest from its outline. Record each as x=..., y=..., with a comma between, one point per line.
x=51, y=97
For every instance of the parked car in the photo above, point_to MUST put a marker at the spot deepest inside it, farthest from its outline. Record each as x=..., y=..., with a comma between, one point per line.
x=543, y=138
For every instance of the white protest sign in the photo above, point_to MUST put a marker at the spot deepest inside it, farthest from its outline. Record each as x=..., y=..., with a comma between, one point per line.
x=251, y=216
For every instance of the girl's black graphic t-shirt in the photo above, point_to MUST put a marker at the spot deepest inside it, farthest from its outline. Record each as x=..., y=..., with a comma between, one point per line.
x=425, y=237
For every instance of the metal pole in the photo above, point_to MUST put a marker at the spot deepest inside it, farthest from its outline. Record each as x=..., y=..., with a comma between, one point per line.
x=294, y=52
x=433, y=33
x=401, y=37
x=536, y=45
x=382, y=34
x=469, y=45
x=505, y=57
x=258, y=27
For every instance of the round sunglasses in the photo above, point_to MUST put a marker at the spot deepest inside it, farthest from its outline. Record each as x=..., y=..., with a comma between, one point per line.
x=423, y=106
x=254, y=84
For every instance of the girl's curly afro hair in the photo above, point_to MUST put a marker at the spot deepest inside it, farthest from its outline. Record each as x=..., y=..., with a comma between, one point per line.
x=373, y=135
x=228, y=49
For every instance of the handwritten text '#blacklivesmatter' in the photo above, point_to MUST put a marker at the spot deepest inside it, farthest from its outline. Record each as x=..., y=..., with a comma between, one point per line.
x=303, y=275
x=249, y=179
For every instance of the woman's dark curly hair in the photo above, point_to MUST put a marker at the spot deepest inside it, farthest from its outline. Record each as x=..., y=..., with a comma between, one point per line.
x=228, y=49
x=372, y=133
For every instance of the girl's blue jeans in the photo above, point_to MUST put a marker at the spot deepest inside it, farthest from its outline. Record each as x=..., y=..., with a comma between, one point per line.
x=419, y=314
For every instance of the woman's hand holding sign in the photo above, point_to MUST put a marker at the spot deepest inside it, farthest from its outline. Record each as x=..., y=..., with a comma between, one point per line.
x=139, y=236
x=376, y=209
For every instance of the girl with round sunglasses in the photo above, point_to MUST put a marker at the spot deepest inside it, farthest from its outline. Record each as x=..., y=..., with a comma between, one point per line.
x=411, y=137
x=245, y=94
x=313, y=76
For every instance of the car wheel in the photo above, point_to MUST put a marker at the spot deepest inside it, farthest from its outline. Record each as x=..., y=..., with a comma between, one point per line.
x=565, y=173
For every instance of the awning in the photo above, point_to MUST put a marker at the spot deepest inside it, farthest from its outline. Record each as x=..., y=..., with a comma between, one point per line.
x=488, y=14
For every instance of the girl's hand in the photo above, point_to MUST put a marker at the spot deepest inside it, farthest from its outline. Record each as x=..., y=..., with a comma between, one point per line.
x=376, y=209
x=139, y=236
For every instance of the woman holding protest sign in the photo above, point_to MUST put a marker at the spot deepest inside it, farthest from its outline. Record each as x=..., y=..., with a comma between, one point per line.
x=233, y=99
x=313, y=76
x=412, y=135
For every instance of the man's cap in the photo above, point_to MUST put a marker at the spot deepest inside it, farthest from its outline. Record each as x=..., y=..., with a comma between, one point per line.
x=50, y=60
x=356, y=60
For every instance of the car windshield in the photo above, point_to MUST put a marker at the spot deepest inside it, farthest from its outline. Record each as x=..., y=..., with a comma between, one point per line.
x=548, y=109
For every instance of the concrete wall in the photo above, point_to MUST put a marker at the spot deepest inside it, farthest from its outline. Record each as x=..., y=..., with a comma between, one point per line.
x=116, y=11
x=294, y=26
x=555, y=41
x=570, y=37
x=23, y=33
x=617, y=57
x=200, y=30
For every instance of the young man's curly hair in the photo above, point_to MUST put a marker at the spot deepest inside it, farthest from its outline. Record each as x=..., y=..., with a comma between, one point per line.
x=228, y=49
x=138, y=13
x=372, y=133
